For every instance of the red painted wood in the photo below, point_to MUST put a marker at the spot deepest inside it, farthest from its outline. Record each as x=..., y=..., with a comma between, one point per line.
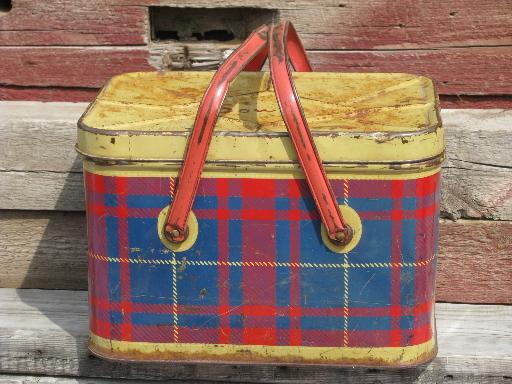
x=351, y=24
x=73, y=22
x=370, y=24
x=68, y=67
x=456, y=71
x=463, y=101
x=47, y=93
x=474, y=262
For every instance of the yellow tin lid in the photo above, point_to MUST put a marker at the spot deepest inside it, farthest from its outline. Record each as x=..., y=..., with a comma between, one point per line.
x=356, y=119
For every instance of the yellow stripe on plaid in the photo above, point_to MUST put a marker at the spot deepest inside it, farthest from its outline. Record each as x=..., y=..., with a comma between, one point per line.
x=271, y=264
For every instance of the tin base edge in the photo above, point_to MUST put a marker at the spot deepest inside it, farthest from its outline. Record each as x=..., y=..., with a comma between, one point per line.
x=382, y=357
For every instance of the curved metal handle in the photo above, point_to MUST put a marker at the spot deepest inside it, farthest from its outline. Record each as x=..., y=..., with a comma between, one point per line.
x=285, y=45
x=250, y=55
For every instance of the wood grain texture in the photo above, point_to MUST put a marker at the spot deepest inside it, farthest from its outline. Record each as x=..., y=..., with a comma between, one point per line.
x=72, y=22
x=69, y=94
x=486, y=70
x=367, y=24
x=68, y=67
x=37, y=245
x=477, y=156
x=477, y=177
x=475, y=259
x=43, y=250
x=45, y=333
x=476, y=102
x=21, y=379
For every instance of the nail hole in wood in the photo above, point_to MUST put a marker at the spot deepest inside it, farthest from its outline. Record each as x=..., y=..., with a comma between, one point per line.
x=5, y=6
x=207, y=24
x=453, y=13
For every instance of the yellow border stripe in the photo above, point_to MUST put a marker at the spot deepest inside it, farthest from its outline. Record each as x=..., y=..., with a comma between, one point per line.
x=189, y=351
x=252, y=170
x=271, y=264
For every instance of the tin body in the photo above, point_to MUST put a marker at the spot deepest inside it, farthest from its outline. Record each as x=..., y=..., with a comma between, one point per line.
x=258, y=282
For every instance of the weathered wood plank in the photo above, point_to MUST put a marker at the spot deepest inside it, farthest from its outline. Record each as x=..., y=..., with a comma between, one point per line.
x=477, y=178
x=486, y=69
x=474, y=101
x=406, y=24
x=475, y=259
x=481, y=65
x=69, y=94
x=68, y=67
x=21, y=379
x=68, y=22
x=45, y=332
x=323, y=25
x=37, y=245
x=45, y=250
x=41, y=190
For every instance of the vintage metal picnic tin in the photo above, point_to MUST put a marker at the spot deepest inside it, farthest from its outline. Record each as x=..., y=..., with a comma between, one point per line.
x=256, y=281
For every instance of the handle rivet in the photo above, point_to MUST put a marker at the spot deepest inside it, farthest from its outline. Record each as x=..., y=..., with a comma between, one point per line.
x=340, y=236
x=175, y=233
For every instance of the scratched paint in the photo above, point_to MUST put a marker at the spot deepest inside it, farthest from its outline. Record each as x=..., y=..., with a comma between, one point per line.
x=259, y=285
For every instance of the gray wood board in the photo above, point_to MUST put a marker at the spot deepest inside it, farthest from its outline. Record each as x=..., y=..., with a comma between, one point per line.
x=39, y=151
x=45, y=333
x=22, y=379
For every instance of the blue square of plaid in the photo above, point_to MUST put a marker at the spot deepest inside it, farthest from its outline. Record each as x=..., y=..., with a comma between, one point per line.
x=110, y=200
x=114, y=278
x=143, y=239
x=198, y=321
x=112, y=236
x=147, y=201
x=197, y=285
x=283, y=322
x=376, y=246
x=409, y=203
x=408, y=241
x=321, y=287
x=362, y=204
x=236, y=321
x=116, y=317
x=151, y=284
x=369, y=287
x=282, y=203
x=205, y=202
x=407, y=286
x=369, y=323
x=235, y=202
x=151, y=318
x=331, y=323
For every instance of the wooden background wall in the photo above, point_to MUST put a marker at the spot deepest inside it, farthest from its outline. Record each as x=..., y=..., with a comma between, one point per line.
x=64, y=50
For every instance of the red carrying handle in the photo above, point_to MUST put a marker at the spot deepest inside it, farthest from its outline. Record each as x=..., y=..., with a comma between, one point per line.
x=282, y=46
x=250, y=55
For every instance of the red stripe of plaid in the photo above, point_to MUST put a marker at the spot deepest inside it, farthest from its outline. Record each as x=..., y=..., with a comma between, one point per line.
x=294, y=191
x=122, y=215
x=397, y=187
x=259, y=283
x=223, y=256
